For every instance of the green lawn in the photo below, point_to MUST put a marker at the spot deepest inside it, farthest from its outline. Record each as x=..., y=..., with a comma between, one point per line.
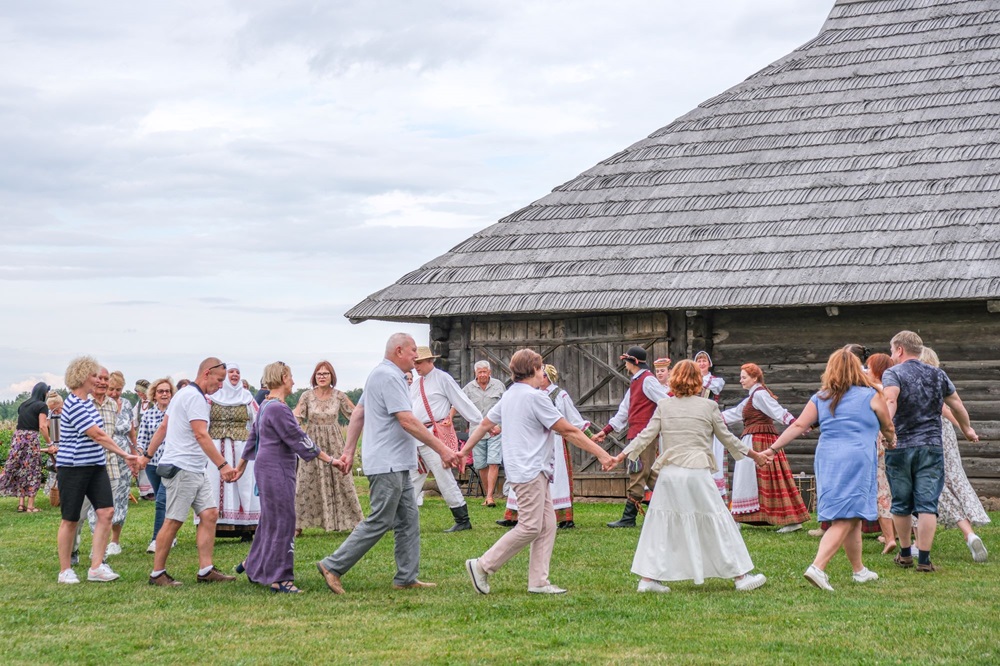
x=904, y=617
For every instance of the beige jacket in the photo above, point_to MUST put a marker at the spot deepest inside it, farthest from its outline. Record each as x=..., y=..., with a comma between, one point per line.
x=686, y=426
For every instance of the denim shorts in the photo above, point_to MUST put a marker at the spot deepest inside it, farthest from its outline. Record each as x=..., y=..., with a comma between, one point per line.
x=916, y=478
x=487, y=452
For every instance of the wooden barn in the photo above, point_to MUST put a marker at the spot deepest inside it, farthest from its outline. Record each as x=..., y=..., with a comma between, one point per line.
x=845, y=192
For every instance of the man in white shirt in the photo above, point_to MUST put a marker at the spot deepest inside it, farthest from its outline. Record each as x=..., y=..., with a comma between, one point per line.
x=434, y=394
x=529, y=420
x=189, y=449
x=636, y=409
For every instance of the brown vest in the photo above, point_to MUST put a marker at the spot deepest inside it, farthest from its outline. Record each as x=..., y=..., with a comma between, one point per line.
x=756, y=422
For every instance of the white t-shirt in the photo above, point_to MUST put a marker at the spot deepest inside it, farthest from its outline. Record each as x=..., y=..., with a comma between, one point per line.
x=182, y=449
x=527, y=416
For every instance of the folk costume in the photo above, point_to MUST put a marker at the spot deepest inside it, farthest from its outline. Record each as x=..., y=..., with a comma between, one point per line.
x=433, y=396
x=232, y=411
x=711, y=388
x=764, y=495
x=562, y=479
x=634, y=412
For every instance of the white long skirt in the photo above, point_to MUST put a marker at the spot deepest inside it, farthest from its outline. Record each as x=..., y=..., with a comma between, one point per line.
x=238, y=502
x=562, y=494
x=689, y=533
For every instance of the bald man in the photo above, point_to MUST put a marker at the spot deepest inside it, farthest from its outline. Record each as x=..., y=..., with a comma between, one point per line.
x=189, y=450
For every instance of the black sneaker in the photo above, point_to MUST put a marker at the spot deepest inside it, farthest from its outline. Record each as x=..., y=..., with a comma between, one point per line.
x=506, y=523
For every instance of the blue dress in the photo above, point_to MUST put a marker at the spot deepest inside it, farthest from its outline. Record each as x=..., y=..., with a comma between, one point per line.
x=847, y=457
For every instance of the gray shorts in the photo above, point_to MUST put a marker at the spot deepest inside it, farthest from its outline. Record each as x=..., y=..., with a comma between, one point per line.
x=487, y=452
x=188, y=490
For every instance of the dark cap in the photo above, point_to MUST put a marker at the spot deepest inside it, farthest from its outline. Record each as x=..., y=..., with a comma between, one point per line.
x=635, y=354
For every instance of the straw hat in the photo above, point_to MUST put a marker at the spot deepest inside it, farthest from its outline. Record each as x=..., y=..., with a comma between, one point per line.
x=425, y=354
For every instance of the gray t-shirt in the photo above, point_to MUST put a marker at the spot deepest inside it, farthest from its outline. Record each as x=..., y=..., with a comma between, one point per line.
x=922, y=390
x=386, y=446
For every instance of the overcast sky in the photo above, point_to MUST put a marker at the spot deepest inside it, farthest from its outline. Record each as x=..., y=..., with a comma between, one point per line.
x=188, y=179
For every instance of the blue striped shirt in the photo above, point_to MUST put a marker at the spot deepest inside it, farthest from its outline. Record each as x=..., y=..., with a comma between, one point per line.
x=76, y=449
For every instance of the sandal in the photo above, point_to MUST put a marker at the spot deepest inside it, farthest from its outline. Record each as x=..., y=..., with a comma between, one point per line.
x=20, y=508
x=33, y=509
x=285, y=587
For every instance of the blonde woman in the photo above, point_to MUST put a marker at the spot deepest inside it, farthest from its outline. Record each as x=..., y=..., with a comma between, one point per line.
x=82, y=474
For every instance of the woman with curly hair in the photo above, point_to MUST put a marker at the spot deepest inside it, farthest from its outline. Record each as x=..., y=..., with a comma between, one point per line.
x=763, y=495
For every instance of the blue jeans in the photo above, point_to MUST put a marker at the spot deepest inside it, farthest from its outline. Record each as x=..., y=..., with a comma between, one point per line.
x=916, y=479
x=160, y=493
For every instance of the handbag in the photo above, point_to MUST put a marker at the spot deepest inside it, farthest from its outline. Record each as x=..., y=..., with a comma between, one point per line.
x=445, y=433
x=167, y=471
x=54, y=496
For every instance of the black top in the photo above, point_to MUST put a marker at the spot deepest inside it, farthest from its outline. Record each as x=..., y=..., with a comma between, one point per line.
x=27, y=415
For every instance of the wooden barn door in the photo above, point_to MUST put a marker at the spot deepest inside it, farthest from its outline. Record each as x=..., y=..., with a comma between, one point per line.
x=585, y=351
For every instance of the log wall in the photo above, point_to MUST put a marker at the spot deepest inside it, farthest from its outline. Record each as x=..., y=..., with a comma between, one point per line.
x=791, y=345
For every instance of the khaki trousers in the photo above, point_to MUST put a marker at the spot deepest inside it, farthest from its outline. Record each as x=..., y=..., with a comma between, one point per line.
x=638, y=482
x=536, y=525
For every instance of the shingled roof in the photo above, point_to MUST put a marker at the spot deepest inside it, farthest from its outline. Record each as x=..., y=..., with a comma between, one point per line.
x=864, y=167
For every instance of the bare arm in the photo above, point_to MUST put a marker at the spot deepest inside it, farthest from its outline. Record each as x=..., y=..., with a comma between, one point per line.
x=961, y=416
x=43, y=428
x=157, y=438
x=884, y=420
x=799, y=426
x=891, y=395
x=414, y=427
x=354, y=428
x=481, y=431
x=575, y=436
x=95, y=433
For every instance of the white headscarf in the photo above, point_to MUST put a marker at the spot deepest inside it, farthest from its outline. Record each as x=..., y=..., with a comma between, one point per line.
x=232, y=394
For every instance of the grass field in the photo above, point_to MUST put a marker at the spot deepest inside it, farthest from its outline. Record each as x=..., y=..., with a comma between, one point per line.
x=905, y=617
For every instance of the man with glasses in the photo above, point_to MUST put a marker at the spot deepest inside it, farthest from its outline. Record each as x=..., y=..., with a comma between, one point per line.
x=182, y=471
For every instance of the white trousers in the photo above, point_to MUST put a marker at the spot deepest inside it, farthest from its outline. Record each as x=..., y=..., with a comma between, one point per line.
x=447, y=484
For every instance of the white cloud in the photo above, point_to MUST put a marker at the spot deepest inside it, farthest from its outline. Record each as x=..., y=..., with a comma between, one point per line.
x=290, y=158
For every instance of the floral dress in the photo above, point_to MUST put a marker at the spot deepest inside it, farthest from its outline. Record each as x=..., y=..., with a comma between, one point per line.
x=324, y=497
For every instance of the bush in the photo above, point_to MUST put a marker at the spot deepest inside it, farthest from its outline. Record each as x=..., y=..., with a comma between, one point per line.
x=6, y=435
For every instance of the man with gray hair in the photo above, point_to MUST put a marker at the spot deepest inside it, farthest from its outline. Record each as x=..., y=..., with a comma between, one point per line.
x=384, y=416
x=915, y=394
x=485, y=391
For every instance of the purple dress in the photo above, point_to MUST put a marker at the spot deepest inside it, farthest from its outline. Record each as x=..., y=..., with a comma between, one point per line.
x=274, y=442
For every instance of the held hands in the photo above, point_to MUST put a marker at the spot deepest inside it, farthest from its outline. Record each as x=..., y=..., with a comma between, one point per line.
x=599, y=437
x=762, y=458
x=612, y=462
x=229, y=473
x=494, y=431
x=344, y=463
x=450, y=459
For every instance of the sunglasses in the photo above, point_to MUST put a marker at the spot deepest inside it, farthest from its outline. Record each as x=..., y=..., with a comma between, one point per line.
x=218, y=365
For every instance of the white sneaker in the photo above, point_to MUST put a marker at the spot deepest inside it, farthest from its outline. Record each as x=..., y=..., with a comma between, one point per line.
x=101, y=574
x=113, y=549
x=68, y=577
x=750, y=582
x=977, y=548
x=866, y=575
x=480, y=579
x=794, y=527
x=547, y=589
x=152, y=547
x=653, y=586
x=818, y=578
